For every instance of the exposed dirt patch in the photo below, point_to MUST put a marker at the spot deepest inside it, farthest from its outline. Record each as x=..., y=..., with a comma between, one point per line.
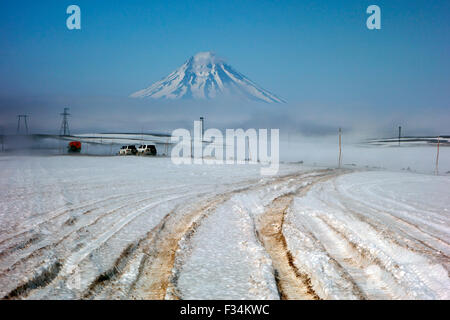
x=112, y=273
x=292, y=283
x=41, y=279
x=156, y=267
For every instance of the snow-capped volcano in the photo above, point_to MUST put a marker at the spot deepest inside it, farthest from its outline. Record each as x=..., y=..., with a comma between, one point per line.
x=205, y=76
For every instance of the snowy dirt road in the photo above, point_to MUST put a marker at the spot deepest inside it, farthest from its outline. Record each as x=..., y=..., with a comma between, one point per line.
x=143, y=228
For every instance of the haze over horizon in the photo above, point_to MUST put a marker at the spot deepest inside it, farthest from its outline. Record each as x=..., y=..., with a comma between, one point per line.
x=319, y=56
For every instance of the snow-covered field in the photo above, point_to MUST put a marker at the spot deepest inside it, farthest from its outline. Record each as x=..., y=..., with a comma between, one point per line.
x=143, y=228
x=374, y=235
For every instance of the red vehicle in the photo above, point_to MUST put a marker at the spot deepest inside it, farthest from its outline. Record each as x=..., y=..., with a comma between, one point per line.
x=74, y=146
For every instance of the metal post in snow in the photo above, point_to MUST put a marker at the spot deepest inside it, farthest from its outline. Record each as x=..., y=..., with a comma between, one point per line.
x=248, y=148
x=166, y=147
x=26, y=124
x=340, y=147
x=202, y=130
x=437, y=156
x=2, y=136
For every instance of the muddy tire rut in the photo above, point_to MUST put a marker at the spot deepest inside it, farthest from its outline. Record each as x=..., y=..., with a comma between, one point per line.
x=156, y=266
x=157, y=279
x=153, y=257
x=291, y=282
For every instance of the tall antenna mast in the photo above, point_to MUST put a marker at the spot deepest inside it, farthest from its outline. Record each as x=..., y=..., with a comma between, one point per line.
x=24, y=117
x=64, y=131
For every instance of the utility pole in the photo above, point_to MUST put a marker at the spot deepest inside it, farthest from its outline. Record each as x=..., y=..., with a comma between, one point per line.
x=64, y=131
x=437, y=156
x=166, y=148
x=202, y=120
x=24, y=117
x=248, y=148
x=1, y=136
x=202, y=130
x=399, y=134
x=340, y=147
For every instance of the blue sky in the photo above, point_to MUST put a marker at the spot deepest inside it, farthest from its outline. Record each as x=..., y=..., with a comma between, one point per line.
x=312, y=53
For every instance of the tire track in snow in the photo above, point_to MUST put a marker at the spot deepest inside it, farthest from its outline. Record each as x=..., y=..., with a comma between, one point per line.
x=397, y=280
x=54, y=242
x=86, y=207
x=153, y=260
x=353, y=259
x=147, y=272
x=293, y=284
x=41, y=244
x=156, y=270
x=43, y=249
x=74, y=260
x=27, y=242
x=70, y=263
x=379, y=210
x=370, y=250
x=64, y=267
x=402, y=236
x=290, y=181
